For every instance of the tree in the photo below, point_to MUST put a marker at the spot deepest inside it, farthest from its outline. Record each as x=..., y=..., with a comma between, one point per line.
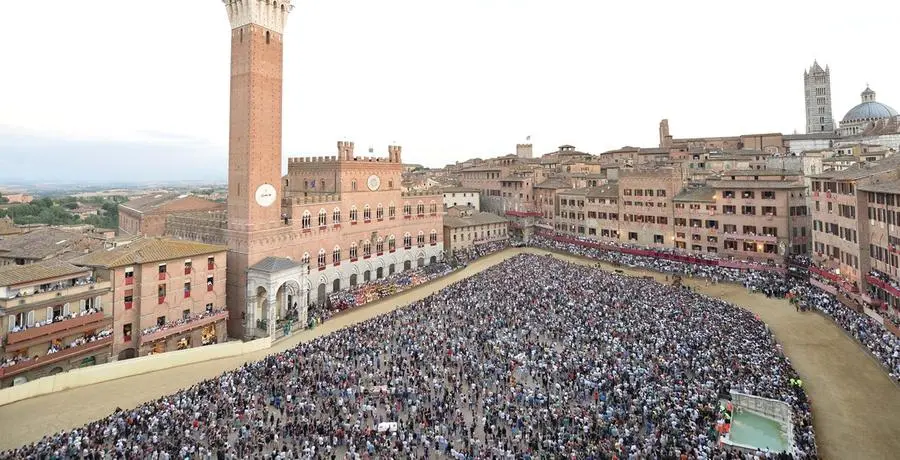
x=3, y=199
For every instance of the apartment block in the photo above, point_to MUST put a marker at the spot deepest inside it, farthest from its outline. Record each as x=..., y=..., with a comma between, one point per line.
x=165, y=294
x=54, y=316
x=840, y=233
x=881, y=220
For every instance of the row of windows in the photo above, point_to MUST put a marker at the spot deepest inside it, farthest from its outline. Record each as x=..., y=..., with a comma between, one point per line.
x=306, y=219
x=749, y=194
x=471, y=236
x=312, y=184
x=336, y=254
x=644, y=192
x=846, y=234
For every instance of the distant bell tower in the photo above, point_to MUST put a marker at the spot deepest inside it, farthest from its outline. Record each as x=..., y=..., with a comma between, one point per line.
x=817, y=88
x=254, y=144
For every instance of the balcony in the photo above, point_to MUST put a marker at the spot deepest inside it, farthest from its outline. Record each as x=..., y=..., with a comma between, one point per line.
x=35, y=335
x=161, y=300
x=209, y=287
x=187, y=270
x=129, y=280
x=210, y=266
x=162, y=276
x=57, y=295
x=181, y=328
x=887, y=287
x=55, y=357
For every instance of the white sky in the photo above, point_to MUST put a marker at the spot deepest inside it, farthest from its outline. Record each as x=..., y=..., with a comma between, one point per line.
x=447, y=80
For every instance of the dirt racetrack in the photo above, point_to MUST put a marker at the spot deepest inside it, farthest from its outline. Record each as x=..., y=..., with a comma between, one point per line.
x=855, y=404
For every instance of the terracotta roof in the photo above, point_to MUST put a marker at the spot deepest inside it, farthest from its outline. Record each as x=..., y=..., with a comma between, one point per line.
x=862, y=170
x=891, y=186
x=42, y=243
x=553, y=183
x=146, y=203
x=756, y=184
x=761, y=172
x=11, y=275
x=481, y=218
x=146, y=250
x=459, y=190
x=603, y=191
x=705, y=194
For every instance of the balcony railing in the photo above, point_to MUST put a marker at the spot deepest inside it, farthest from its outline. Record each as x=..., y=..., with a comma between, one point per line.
x=55, y=357
x=51, y=331
x=188, y=326
x=59, y=294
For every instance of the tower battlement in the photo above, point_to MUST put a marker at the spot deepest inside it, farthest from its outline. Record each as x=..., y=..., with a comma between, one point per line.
x=266, y=13
x=345, y=153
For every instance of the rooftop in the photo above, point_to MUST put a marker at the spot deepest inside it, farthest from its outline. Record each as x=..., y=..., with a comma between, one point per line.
x=275, y=264
x=459, y=190
x=553, y=183
x=706, y=194
x=481, y=218
x=146, y=250
x=890, y=186
x=603, y=191
x=11, y=275
x=45, y=242
x=760, y=172
x=862, y=170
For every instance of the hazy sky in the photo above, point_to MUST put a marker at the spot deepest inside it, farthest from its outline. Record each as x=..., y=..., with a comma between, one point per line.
x=448, y=80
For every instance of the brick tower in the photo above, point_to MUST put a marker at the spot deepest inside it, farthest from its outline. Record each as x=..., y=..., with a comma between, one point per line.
x=254, y=146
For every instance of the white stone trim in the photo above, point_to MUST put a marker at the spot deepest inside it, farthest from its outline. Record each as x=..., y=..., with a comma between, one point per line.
x=271, y=14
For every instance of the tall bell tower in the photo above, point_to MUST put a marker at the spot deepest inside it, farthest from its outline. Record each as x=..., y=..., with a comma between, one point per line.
x=254, y=145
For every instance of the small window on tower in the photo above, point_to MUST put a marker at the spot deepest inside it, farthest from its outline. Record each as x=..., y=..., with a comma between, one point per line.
x=267, y=37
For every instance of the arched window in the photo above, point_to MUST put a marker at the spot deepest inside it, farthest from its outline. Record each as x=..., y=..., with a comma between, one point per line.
x=336, y=255
x=407, y=240
x=392, y=211
x=407, y=209
x=336, y=216
x=379, y=212
x=420, y=238
x=353, y=185
x=321, y=258
x=420, y=208
x=353, y=251
x=392, y=243
x=353, y=214
x=306, y=221
x=367, y=248
x=433, y=236
x=379, y=246
x=433, y=207
x=323, y=217
x=367, y=213
x=305, y=259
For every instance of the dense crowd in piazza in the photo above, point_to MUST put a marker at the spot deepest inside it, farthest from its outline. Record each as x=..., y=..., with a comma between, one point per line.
x=881, y=343
x=514, y=362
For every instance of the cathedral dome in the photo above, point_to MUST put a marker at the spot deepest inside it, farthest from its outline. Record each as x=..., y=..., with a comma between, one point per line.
x=869, y=109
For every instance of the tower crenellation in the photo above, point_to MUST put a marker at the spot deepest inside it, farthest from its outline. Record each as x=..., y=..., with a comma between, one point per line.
x=266, y=13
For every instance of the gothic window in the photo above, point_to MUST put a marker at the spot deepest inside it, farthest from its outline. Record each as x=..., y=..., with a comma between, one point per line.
x=379, y=245
x=420, y=208
x=367, y=248
x=322, y=184
x=407, y=209
x=433, y=237
x=354, y=251
x=336, y=255
x=379, y=212
x=407, y=240
x=323, y=218
x=353, y=185
x=305, y=259
x=420, y=238
x=433, y=208
x=336, y=216
x=306, y=220
x=392, y=243
x=322, y=258
x=367, y=213
x=353, y=213
x=392, y=211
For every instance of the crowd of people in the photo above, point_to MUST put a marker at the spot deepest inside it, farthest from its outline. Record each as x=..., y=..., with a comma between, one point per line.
x=55, y=319
x=378, y=289
x=209, y=311
x=465, y=256
x=881, y=343
x=55, y=347
x=514, y=362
